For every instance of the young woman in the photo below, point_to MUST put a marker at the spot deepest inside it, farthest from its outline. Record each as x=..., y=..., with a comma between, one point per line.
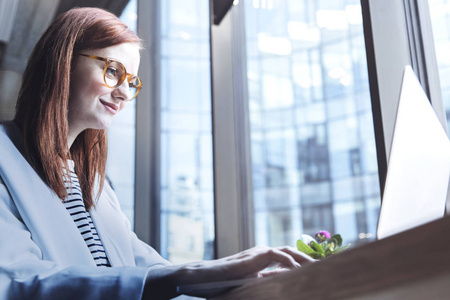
x=62, y=233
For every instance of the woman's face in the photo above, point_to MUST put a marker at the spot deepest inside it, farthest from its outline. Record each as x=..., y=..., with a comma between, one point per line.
x=92, y=104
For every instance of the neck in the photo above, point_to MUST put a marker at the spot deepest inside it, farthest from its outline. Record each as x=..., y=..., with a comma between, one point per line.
x=70, y=141
x=73, y=134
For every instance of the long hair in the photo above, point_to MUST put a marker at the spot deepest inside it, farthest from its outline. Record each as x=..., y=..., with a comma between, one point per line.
x=42, y=105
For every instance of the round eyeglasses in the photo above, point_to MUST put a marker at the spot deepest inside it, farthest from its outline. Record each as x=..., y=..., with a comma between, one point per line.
x=114, y=74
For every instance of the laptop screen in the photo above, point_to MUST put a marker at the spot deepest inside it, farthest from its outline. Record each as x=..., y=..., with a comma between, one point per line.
x=419, y=164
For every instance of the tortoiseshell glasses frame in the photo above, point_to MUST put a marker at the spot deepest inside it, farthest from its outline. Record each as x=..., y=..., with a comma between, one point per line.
x=114, y=74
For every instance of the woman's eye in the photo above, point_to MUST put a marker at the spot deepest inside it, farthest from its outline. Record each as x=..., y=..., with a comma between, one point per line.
x=111, y=72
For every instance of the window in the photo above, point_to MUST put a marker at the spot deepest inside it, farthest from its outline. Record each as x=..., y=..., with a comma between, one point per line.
x=187, y=218
x=440, y=18
x=310, y=130
x=312, y=139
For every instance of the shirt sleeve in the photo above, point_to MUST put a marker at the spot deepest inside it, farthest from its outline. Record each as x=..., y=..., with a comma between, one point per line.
x=24, y=274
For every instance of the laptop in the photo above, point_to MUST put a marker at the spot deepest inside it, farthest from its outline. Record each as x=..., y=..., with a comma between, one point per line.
x=418, y=173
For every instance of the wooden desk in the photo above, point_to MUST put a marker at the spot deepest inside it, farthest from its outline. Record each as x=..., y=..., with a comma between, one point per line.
x=411, y=265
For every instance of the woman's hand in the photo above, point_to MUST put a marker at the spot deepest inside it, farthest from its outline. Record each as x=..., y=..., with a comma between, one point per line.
x=254, y=262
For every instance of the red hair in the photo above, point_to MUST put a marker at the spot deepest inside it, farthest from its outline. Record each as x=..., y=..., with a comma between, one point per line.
x=42, y=105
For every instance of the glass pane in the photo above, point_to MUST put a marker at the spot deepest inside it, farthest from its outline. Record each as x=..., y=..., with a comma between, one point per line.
x=121, y=140
x=187, y=218
x=313, y=146
x=440, y=21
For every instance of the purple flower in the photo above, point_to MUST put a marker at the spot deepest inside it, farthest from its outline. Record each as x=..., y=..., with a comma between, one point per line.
x=322, y=236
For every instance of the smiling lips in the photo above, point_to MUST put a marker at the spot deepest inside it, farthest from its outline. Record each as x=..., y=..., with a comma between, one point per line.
x=111, y=107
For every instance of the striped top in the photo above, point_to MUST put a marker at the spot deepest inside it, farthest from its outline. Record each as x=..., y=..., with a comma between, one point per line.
x=75, y=206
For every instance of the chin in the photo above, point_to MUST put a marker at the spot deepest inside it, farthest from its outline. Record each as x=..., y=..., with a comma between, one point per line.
x=102, y=125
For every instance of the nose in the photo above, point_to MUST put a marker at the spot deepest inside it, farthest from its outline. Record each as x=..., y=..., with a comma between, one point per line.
x=122, y=92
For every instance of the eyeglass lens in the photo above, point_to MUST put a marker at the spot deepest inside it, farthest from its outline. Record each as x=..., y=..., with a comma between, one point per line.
x=115, y=75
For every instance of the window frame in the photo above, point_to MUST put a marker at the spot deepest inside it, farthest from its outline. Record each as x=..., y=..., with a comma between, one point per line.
x=397, y=33
x=233, y=194
x=148, y=141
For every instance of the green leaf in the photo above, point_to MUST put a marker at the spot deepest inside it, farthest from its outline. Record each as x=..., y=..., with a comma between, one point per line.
x=301, y=246
x=338, y=239
x=316, y=246
x=317, y=255
x=340, y=249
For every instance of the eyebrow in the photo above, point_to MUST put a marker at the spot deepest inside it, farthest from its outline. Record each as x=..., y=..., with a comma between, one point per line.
x=105, y=59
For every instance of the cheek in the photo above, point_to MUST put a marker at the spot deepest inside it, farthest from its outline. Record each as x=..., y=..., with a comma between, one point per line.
x=123, y=104
x=82, y=100
x=88, y=90
x=87, y=83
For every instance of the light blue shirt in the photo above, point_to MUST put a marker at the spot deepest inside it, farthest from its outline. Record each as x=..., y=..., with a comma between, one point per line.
x=43, y=255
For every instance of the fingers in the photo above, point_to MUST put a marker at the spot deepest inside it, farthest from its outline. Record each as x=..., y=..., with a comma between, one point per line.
x=257, y=260
x=287, y=258
x=298, y=256
x=268, y=273
x=270, y=257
